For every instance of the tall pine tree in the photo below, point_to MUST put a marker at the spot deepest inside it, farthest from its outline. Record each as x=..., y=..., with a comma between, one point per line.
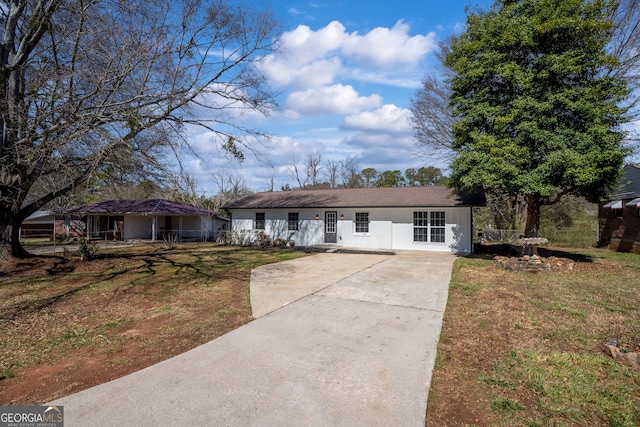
x=536, y=113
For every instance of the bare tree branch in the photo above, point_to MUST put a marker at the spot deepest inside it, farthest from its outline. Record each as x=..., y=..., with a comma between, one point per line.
x=84, y=81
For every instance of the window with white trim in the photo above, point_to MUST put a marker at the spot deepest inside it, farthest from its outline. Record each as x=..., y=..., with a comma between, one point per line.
x=260, y=222
x=437, y=227
x=420, y=226
x=429, y=226
x=362, y=222
x=292, y=221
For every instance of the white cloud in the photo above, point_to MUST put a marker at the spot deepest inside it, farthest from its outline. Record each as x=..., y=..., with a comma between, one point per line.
x=314, y=58
x=306, y=56
x=380, y=141
x=388, y=120
x=386, y=47
x=336, y=99
x=312, y=74
x=195, y=166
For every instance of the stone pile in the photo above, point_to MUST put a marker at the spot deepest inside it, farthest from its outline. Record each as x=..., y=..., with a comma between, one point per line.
x=621, y=353
x=534, y=264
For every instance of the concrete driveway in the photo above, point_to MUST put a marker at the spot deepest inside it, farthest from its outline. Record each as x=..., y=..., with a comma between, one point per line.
x=350, y=340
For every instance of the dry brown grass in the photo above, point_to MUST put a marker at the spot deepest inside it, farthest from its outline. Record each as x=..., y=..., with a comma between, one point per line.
x=526, y=349
x=67, y=325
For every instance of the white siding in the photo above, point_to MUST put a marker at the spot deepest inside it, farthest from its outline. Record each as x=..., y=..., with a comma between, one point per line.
x=389, y=228
x=310, y=230
x=137, y=227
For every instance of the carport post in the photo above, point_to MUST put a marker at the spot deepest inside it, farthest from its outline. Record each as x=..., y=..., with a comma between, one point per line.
x=154, y=228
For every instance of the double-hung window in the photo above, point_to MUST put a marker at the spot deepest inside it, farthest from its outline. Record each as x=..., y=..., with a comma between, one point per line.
x=292, y=221
x=437, y=227
x=362, y=222
x=259, y=221
x=420, y=226
x=429, y=226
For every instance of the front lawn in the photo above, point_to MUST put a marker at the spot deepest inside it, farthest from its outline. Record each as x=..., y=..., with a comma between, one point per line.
x=526, y=349
x=66, y=324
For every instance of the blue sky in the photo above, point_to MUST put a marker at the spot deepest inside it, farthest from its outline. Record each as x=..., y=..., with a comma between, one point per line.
x=345, y=75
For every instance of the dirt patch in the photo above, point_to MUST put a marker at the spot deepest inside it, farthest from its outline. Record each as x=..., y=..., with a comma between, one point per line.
x=67, y=324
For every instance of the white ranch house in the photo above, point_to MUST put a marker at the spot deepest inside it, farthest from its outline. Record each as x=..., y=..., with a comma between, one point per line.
x=406, y=218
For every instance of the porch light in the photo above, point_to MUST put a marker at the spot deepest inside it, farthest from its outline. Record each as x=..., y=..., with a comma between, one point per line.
x=317, y=217
x=342, y=217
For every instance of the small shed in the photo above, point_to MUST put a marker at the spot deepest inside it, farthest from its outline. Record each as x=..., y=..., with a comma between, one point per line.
x=38, y=225
x=152, y=219
x=411, y=218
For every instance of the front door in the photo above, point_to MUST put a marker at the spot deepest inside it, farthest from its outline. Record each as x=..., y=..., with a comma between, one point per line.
x=330, y=227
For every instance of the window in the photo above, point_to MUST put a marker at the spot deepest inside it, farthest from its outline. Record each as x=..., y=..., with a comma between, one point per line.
x=292, y=221
x=330, y=222
x=420, y=227
x=429, y=226
x=437, y=227
x=362, y=222
x=259, y=220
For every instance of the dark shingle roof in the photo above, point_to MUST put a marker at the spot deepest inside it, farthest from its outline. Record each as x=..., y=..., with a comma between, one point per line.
x=152, y=206
x=359, y=197
x=629, y=184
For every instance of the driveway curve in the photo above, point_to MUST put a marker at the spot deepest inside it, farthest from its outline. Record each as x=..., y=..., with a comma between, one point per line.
x=350, y=349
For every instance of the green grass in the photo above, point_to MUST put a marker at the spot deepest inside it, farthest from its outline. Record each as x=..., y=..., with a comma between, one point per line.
x=585, y=389
x=526, y=349
x=173, y=300
x=581, y=234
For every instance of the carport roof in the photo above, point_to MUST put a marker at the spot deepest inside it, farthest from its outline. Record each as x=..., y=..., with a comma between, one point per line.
x=141, y=207
x=429, y=196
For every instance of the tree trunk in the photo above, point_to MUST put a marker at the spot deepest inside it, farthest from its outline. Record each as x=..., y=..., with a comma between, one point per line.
x=532, y=225
x=520, y=214
x=10, y=246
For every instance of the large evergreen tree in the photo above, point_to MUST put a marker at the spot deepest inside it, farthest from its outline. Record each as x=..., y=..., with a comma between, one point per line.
x=537, y=113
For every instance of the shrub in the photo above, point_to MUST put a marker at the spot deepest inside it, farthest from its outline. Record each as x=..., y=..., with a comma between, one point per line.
x=262, y=239
x=86, y=248
x=280, y=243
x=170, y=241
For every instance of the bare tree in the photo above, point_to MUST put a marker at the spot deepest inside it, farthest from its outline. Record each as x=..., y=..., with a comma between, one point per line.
x=294, y=171
x=313, y=167
x=184, y=189
x=351, y=177
x=432, y=121
x=271, y=179
x=333, y=169
x=625, y=46
x=231, y=186
x=87, y=83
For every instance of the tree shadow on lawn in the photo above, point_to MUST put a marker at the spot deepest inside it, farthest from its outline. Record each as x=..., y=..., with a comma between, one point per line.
x=39, y=266
x=491, y=251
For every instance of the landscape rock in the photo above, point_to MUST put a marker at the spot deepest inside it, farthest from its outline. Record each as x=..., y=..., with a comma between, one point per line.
x=632, y=360
x=612, y=351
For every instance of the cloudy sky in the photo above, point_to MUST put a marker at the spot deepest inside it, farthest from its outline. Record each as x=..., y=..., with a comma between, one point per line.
x=345, y=75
